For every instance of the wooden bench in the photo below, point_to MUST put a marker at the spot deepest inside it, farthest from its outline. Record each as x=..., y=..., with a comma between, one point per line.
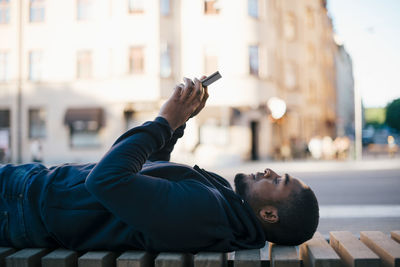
x=343, y=249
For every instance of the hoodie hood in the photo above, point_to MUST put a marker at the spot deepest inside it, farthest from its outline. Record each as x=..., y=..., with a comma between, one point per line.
x=246, y=228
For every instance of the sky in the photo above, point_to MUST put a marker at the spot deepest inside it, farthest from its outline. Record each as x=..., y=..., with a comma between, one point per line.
x=370, y=32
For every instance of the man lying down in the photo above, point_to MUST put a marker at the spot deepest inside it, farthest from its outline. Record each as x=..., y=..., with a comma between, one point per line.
x=134, y=198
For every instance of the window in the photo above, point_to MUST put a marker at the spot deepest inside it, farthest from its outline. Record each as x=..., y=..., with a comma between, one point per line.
x=4, y=118
x=210, y=60
x=37, y=123
x=136, y=6
x=84, y=126
x=211, y=7
x=165, y=7
x=312, y=92
x=311, y=54
x=84, y=8
x=252, y=8
x=289, y=27
x=253, y=59
x=165, y=61
x=35, y=65
x=3, y=66
x=84, y=65
x=84, y=135
x=136, y=60
x=290, y=76
x=5, y=136
x=129, y=116
x=4, y=11
x=310, y=17
x=36, y=10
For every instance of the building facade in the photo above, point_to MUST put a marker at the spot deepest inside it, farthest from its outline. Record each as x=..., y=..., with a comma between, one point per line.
x=345, y=93
x=75, y=75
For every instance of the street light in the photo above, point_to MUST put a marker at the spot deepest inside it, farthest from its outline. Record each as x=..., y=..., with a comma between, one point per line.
x=277, y=107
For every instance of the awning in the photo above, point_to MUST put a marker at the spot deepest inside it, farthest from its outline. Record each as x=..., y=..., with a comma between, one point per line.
x=84, y=118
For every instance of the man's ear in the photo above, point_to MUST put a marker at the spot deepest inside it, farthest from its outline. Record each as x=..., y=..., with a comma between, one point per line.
x=269, y=214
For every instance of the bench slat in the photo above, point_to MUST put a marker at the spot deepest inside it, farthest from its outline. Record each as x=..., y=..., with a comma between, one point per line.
x=60, y=258
x=135, y=259
x=29, y=257
x=316, y=252
x=210, y=259
x=4, y=252
x=352, y=251
x=387, y=249
x=247, y=258
x=283, y=256
x=395, y=235
x=169, y=259
x=264, y=254
x=97, y=259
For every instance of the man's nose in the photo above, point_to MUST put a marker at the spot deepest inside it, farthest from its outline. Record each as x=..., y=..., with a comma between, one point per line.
x=268, y=173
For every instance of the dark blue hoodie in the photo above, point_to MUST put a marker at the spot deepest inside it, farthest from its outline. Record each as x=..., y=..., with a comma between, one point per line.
x=134, y=198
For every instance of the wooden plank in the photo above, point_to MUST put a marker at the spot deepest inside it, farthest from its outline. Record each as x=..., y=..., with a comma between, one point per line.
x=135, y=259
x=60, y=258
x=4, y=252
x=97, y=259
x=230, y=258
x=316, y=252
x=210, y=259
x=170, y=259
x=247, y=258
x=29, y=257
x=395, y=235
x=352, y=251
x=283, y=256
x=387, y=249
x=264, y=255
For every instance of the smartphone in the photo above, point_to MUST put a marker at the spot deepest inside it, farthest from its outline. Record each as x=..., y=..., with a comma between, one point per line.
x=211, y=79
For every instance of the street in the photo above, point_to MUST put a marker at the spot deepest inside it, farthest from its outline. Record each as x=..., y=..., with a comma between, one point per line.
x=352, y=196
x=378, y=187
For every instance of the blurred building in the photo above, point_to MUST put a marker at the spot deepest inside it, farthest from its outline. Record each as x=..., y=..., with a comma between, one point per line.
x=75, y=75
x=344, y=93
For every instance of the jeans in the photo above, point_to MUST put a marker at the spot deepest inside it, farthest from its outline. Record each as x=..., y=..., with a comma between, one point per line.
x=18, y=214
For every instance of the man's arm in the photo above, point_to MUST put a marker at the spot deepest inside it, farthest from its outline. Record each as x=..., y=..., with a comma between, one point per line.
x=164, y=154
x=115, y=181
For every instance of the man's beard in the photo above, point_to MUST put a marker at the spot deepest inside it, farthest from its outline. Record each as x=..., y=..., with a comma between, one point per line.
x=240, y=184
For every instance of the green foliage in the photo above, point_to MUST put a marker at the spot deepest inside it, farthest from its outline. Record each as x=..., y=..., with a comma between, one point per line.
x=375, y=116
x=393, y=114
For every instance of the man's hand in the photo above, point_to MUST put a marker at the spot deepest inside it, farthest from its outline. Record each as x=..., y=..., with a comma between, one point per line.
x=186, y=101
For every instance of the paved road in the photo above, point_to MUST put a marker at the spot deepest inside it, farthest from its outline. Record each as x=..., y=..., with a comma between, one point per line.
x=377, y=187
x=358, y=193
x=351, y=199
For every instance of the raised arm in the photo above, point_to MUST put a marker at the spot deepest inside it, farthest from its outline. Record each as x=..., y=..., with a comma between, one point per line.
x=165, y=152
x=115, y=181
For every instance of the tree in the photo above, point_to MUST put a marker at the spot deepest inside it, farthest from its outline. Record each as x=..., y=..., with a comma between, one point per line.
x=393, y=114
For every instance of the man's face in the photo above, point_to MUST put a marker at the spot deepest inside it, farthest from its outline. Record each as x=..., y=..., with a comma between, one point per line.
x=266, y=187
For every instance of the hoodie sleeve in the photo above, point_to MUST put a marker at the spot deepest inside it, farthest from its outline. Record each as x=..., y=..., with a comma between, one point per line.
x=146, y=202
x=164, y=153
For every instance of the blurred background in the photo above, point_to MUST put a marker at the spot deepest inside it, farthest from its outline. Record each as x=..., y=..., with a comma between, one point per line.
x=309, y=87
x=75, y=75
